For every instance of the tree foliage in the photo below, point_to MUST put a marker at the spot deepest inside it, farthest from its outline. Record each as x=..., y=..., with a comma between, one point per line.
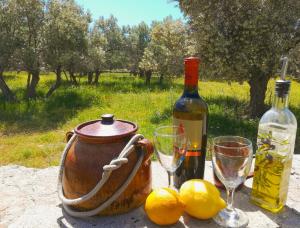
x=167, y=48
x=243, y=40
x=57, y=35
x=114, y=52
x=95, y=59
x=136, y=42
x=9, y=41
x=66, y=28
x=31, y=13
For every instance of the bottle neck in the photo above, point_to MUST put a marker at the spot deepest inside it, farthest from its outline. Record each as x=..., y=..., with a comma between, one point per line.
x=191, y=79
x=281, y=102
x=191, y=90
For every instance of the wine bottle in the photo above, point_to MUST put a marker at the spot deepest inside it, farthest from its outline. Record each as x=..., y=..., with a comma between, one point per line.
x=190, y=111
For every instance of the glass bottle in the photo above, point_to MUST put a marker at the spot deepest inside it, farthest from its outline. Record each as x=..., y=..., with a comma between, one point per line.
x=191, y=111
x=275, y=148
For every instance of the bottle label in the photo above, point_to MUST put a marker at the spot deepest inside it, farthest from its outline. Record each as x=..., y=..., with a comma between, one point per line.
x=193, y=130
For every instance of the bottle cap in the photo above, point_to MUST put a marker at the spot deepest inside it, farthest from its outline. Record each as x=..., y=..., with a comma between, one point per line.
x=192, y=60
x=282, y=88
x=191, y=70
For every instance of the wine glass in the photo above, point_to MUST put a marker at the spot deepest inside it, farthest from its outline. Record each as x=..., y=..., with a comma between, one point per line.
x=231, y=159
x=170, y=146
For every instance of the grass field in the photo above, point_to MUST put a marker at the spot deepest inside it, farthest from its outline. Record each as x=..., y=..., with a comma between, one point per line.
x=32, y=133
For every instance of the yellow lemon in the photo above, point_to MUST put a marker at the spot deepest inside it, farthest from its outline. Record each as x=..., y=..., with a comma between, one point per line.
x=163, y=206
x=201, y=198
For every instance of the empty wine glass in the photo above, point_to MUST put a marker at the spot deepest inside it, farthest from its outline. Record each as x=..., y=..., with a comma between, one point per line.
x=231, y=159
x=170, y=146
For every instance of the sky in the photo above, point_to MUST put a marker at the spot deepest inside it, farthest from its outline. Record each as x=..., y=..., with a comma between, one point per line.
x=132, y=12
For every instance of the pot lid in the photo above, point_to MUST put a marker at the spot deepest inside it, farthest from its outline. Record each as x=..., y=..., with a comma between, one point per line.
x=107, y=126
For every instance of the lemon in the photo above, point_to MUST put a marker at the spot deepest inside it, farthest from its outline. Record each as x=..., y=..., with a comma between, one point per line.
x=163, y=206
x=201, y=198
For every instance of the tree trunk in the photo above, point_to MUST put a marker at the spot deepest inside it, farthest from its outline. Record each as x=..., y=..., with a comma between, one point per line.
x=8, y=94
x=35, y=78
x=97, y=75
x=141, y=73
x=28, y=80
x=134, y=73
x=57, y=82
x=161, y=78
x=148, y=74
x=73, y=78
x=65, y=73
x=90, y=77
x=258, y=87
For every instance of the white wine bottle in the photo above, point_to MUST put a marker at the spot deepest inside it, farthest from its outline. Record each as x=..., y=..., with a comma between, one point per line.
x=191, y=112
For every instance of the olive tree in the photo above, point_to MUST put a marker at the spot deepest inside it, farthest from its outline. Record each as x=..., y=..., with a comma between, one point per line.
x=148, y=64
x=94, y=62
x=167, y=48
x=114, y=47
x=66, y=26
x=31, y=14
x=9, y=41
x=137, y=40
x=243, y=40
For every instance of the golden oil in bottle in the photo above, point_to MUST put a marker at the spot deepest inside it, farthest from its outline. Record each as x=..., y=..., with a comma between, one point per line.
x=272, y=167
x=270, y=184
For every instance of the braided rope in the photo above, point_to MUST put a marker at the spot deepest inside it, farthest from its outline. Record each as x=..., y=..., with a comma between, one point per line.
x=107, y=170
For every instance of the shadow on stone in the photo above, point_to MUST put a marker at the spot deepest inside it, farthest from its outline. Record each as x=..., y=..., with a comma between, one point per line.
x=134, y=218
x=288, y=217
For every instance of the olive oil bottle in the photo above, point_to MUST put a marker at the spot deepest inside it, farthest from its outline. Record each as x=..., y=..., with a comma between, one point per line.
x=275, y=148
x=191, y=111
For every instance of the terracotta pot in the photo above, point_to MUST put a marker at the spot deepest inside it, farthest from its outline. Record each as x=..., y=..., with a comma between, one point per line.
x=99, y=142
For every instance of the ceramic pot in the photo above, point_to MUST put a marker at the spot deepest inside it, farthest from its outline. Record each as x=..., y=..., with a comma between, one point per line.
x=96, y=144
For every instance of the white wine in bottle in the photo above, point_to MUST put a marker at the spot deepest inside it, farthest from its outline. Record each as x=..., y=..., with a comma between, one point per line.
x=191, y=112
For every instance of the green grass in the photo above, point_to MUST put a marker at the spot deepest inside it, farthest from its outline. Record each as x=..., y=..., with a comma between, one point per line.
x=32, y=133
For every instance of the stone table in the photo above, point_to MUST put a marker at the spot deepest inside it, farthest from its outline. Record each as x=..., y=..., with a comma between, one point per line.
x=28, y=198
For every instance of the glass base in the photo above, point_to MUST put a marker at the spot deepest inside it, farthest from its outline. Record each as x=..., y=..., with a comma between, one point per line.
x=232, y=218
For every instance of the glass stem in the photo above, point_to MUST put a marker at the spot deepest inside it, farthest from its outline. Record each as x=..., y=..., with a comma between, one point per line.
x=230, y=192
x=170, y=179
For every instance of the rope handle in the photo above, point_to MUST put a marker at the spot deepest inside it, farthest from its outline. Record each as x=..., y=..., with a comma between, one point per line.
x=107, y=170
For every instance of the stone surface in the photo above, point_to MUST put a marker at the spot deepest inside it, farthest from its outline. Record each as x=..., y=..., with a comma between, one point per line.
x=28, y=198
